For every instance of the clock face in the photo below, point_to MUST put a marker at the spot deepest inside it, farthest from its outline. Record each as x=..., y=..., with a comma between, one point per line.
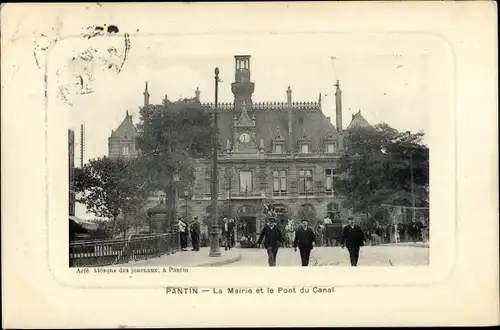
x=245, y=138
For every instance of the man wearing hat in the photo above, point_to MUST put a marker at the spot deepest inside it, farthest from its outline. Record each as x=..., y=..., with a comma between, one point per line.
x=272, y=237
x=195, y=234
x=305, y=240
x=354, y=238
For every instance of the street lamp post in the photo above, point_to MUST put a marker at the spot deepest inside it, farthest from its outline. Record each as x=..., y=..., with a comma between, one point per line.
x=214, y=244
x=175, y=221
x=187, y=196
x=229, y=178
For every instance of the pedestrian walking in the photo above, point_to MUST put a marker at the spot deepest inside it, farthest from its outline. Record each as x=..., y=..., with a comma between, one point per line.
x=195, y=234
x=415, y=230
x=305, y=239
x=320, y=235
x=327, y=221
x=353, y=238
x=232, y=226
x=272, y=237
x=396, y=233
x=290, y=232
x=227, y=233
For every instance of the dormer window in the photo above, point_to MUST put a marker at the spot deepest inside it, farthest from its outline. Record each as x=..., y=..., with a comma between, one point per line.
x=304, y=143
x=278, y=141
x=331, y=147
x=330, y=143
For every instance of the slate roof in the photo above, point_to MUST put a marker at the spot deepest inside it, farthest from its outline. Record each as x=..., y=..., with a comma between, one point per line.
x=358, y=121
x=308, y=120
x=126, y=129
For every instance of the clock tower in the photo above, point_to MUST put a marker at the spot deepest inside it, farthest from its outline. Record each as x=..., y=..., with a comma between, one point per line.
x=244, y=132
x=242, y=87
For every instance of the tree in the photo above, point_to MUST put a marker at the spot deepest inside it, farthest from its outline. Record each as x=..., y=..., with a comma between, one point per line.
x=307, y=212
x=112, y=186
x=376, y=169
x=171, y=135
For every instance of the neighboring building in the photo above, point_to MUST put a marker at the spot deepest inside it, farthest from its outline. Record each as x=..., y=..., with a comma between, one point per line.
x=71, y=170
x=283, y=153
x=358, y=121
x=122, y=140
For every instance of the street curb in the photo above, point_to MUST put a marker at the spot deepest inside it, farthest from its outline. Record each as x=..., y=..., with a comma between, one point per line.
x=221, y=262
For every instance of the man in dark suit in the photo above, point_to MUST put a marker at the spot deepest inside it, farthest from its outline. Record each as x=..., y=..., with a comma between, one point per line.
x=415, y=230
x=272, y=236
x=305, y=240
x=195, y=234
x=354, y=238
x=227, y=233
x=232, y=226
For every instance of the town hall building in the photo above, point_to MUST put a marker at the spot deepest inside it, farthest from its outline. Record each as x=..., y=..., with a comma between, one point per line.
x=283, y=153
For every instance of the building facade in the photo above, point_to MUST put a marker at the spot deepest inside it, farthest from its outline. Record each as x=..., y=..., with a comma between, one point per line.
x=121, y=143
x=280, y=153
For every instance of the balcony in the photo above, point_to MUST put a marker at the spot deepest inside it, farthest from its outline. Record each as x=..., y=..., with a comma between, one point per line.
x=278, y=156
x=317, y=154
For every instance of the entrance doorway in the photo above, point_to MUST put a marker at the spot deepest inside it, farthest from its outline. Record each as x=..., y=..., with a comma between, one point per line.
x=246, y=222
x=248, y=226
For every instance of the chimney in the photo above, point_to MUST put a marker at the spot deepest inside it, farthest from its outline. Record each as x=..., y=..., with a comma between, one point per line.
x=197, y=93
x=146, y=95
x=290, y=118
x=338, y=106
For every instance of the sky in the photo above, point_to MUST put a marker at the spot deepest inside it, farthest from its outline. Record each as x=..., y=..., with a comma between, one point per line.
x=388, y=86
x=387, y=89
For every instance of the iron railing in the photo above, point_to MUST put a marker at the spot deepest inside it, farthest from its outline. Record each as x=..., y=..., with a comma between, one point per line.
x=120, y=251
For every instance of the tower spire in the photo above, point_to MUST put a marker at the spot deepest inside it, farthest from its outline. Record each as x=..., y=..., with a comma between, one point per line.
x=338, y=106
x=146, y=95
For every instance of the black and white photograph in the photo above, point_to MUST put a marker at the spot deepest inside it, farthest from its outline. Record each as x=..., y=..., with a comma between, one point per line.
x=335, y=145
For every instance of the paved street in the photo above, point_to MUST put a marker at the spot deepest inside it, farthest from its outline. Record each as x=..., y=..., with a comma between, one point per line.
x=386, y=255
x=188, y=259
x=258, y=257
x=322, y=256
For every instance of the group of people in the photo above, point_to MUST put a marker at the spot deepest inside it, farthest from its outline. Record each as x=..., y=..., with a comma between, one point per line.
x=192, y=229
x=398, y=233
x=304, y=239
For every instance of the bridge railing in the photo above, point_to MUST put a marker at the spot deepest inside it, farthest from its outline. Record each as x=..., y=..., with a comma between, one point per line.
x=119, y=251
